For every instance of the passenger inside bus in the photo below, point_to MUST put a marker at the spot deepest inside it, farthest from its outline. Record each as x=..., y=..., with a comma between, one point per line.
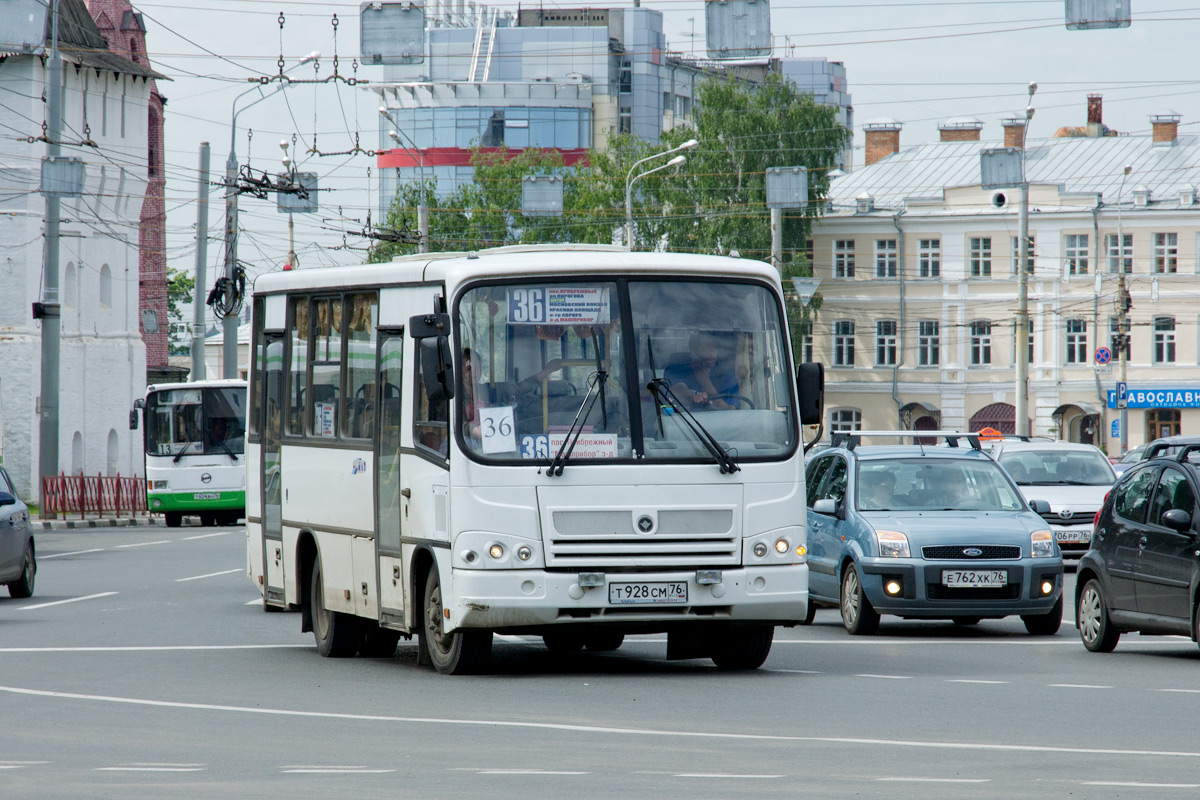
x=699, y=379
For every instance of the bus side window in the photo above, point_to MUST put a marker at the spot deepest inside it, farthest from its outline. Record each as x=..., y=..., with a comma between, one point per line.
x=297, y=367
x=363, y=314
x=431, y=420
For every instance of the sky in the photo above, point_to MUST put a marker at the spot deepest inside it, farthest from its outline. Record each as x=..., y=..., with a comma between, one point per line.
x=918, y=63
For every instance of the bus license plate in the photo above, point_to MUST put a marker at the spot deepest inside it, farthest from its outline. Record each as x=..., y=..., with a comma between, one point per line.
x=206, y=496
x=974, y=578
x=652, y=593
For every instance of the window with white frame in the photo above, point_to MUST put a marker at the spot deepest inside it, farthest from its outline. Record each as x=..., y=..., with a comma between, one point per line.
x=1166, y=253
x=1077, y=349
x=843, y=258
x=1164, y=340
x=929, y=343
x=845, y=420
x=885, y=258
x=981, y=343
x=885, y=343
x=1075, y=253
x=979, y=256
x=843, y=343
x=1120, y=253
x=1016, y=253
x=929, y=258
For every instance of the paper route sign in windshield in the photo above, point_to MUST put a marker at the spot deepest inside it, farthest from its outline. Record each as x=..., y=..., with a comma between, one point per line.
x=549, y=305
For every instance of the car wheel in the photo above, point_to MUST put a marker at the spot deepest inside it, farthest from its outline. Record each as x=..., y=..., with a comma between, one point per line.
x=336, y=633
x=858, y=615
x=604, y=642
x=174, y=519
x=743, y=648
x=1091, y=617
x=966, y=620
x=460, y=653
x=23, y=586
x=1044, y=624
x=563, y=642
x=809, y=612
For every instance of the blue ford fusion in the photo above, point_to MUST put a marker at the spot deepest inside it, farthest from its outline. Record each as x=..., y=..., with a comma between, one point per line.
x=928, y=532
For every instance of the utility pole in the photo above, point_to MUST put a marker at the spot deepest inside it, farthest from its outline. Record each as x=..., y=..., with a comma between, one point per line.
x=1022, y=332
x=777, y=239
x=1124, y=302
x=198, y=373
x=50, y=311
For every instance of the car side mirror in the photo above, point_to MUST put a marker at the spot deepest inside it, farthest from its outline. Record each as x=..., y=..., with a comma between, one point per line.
x=826, y=506
x=1040, y=507
x=7, y=499
x=1177, y=519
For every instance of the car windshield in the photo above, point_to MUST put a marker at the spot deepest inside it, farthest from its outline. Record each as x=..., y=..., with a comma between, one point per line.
x=1058, y=467
x=714, y=350
x=928, y=484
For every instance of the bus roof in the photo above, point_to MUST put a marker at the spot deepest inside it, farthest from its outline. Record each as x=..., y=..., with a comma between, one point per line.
x=516, y=261
x=216, y=383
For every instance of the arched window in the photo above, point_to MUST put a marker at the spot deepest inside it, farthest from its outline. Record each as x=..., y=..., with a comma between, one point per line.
x=111, y=461
x=70, y=286
x=105, y=287
x=77, y=454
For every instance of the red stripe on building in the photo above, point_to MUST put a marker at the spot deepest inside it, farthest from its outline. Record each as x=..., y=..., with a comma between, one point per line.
x=460, y=157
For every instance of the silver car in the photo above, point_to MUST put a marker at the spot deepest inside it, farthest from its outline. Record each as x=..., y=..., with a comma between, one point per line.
x=18, y=559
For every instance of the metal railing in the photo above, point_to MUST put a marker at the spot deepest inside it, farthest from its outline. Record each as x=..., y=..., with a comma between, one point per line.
x=92, y=494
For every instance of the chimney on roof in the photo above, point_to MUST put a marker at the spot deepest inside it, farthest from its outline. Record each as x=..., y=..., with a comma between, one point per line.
x=960, y=130
x=1095, y=116
x=882, y=139
x=1165, y=128
x=1014, y=132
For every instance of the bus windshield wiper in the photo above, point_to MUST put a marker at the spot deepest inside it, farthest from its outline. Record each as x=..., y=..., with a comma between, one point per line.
x=227, y=449
x=581, y=417
x=661, y=390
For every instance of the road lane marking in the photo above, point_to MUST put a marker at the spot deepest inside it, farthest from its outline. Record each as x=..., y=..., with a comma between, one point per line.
x=968, y=680
x=257, y=602
x=886, y=677
x=143, y=544
x=528, y=772
x=334, y=771
x=149, y=769
x=898, y=779
x=205, y=536
x=155, y=648
x=72, y=553
x=1077, y=686
x=724, y=775
x=1181, y=691
x=1135, y=785
x=209, y=575
x=71, y=600
x=507, y=724
x=795, y=671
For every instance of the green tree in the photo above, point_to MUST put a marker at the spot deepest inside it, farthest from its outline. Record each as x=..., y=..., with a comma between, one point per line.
x=179, y=292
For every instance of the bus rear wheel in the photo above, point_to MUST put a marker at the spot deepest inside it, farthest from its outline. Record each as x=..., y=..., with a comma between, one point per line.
x=463, y=652
x=336, y=633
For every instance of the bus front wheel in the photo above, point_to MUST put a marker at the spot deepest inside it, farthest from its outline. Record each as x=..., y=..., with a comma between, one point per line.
x=743, y=648
x=336, y=633
x=174, y=519
x=462, y=652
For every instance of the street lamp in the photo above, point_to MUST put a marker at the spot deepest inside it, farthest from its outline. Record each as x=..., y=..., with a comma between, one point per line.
x=630, y=178
x=1122, y=313
x=229, y=324
x=422, y=207
x=1022, y=333
x=291, y=172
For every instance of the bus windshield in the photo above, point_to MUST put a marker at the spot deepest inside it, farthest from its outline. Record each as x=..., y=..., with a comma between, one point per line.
x=533, y=351
x=191, y=421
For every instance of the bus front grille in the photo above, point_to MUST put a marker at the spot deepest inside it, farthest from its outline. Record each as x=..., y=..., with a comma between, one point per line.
x=671, y=538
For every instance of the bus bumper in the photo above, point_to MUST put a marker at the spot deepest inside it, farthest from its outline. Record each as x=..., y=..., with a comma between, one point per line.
x=513, y=599
x=197, y=501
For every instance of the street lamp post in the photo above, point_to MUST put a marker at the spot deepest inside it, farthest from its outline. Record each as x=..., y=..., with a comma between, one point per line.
x=630, y=179
x=1022, y=332
x=1122, y=312
x=229, y=324
x=422, y=208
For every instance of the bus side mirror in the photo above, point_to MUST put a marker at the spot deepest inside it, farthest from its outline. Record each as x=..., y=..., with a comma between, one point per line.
x=133, y=420
x=437, y=367
x=810, y=390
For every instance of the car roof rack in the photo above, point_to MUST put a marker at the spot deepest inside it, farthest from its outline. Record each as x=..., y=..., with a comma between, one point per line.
x=852, y=439
x=1158, y=446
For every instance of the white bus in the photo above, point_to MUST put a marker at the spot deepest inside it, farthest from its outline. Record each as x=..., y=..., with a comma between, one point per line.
x=572, y=442
x=195, y=440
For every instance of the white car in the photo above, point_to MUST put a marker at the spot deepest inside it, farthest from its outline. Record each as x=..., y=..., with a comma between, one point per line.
x=1073, y=478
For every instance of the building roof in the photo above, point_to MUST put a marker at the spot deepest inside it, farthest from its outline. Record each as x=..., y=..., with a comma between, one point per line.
x=79, y=40
x=1080, y=166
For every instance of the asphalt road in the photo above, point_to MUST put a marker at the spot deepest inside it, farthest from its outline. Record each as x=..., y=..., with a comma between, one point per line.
x=144, y=667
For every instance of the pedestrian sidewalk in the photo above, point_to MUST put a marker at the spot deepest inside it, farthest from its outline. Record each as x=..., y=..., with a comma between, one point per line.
x=40, y=524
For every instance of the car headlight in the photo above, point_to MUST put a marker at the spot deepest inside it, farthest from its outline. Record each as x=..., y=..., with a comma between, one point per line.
x=1041, y=544
x=892, y=544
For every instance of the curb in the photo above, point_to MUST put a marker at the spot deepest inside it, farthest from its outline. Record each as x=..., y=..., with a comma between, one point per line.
x=65, y=524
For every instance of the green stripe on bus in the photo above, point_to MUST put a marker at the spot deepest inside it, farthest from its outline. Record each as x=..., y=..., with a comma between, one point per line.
x=187, y=501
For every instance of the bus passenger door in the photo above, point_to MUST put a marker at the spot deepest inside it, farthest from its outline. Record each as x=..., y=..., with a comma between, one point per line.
x=389, y=506
x=272, y=475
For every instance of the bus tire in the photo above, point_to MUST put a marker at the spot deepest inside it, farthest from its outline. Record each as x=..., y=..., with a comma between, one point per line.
x=336, y=633
x=604, y=641
x=743, y=648
x=209, y=519
x=174, y=519
x=563, y=642
x=463, y=652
